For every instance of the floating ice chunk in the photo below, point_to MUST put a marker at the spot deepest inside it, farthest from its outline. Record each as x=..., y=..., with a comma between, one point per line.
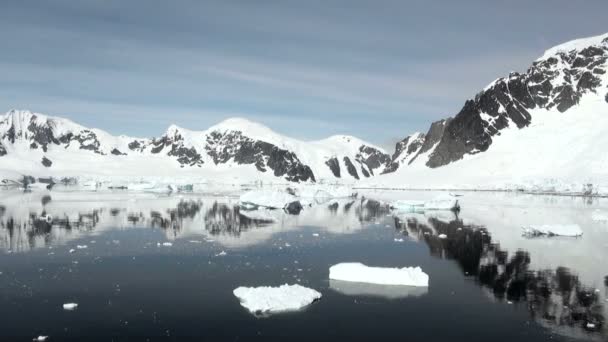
x=40, y=338
x=72, y=250
x=274, y=199
x=357, y=272
x=376, y=290
x=315, y=234
x=70, y=306
x=268, y=299
x=222, y=253
x=398, y=240
x=167, y=244
x=599, y=216
x=572, y=230
x=442, y=236
x=82, y=246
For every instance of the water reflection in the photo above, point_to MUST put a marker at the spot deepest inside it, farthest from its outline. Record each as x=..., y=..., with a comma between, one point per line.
x=28, y=222
x=554, y=297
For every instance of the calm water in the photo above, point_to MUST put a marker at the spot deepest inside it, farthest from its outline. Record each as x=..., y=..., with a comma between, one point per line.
x=487, y=282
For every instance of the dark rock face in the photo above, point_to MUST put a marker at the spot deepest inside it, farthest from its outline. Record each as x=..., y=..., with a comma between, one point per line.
x=135, y=145
x=606, y=98
x=117, y=152
x=372, y=158
x=403, y=149
x=294, y=208
x=225, y=146
x=334, y=165
x=433, y=136
x=3, y=149
x=351, y=168
x=557, y=82
x=175, y=147
x=46, y=162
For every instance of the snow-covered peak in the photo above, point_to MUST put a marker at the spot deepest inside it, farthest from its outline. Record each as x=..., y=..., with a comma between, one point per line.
x=577, y=44
x=347, y=140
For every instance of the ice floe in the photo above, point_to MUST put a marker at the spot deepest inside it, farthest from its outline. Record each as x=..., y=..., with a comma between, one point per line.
x=70, y=306
x=266, y=299
x=40, y=338
x=357, y=272
x=571, y=230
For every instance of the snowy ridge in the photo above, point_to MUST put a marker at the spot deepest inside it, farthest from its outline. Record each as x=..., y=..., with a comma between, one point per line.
x=44, y=146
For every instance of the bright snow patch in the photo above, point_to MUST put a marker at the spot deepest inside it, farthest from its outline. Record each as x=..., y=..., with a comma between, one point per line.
x=572, y=230
x=357, y=272
x=70, y=306
x=273, y=199
x=268, y=299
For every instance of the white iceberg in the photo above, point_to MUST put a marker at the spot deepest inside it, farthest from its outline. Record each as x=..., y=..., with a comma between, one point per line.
x=41, y=338
x=357, y=272
x=268, y=299
x=570, y=230
x=70, y=306
x=271, y=199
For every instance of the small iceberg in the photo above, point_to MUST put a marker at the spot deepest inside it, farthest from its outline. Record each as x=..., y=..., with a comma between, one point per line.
x=442, y=202
x=267, y=300
x=40, y=338
x=569, y=230
x=357, y=272
x=70, y=306
x=376, y=290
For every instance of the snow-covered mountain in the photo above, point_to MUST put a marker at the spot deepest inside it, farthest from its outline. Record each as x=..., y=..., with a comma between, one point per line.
x=235, y=149
x=543, y=128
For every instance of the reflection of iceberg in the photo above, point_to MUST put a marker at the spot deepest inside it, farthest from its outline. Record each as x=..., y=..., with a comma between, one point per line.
x=376, y=290
x=441, y=202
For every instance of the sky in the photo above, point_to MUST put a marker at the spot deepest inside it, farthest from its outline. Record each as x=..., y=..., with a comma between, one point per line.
x=379, y=70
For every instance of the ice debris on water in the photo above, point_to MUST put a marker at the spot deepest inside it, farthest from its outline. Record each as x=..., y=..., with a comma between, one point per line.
x=266, y=299
x=70, y=306
x=40, y=338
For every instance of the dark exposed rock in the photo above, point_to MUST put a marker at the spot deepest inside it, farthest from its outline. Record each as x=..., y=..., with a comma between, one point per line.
x=46, y=199
x=605, y=98
x=46, y=162
x=233, y=145
x=372, y=158
x=33, y=146
x=334, y=166
x=134, y=145
x=351, y=168
x=2, y=150
x=556, y=82
x=294, y=208
x=365, y=172
x=117, y=152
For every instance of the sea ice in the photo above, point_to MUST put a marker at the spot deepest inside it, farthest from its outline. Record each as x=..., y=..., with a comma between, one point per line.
x=357, y=272
x=268, y=299
x=572, y=230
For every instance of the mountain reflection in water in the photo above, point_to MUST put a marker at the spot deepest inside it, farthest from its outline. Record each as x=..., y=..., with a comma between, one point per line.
x=555, y=297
